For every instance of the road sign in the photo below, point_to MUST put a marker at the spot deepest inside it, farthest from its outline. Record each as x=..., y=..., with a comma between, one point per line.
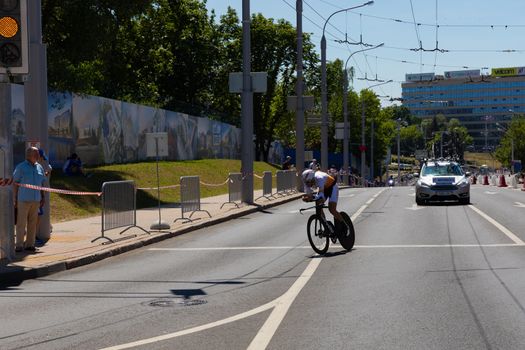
x=308, y=103
x=151, y=144
x=259, y=82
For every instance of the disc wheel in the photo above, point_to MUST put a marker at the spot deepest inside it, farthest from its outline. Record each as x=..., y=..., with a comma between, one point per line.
x=317, y=235
x=346, y=233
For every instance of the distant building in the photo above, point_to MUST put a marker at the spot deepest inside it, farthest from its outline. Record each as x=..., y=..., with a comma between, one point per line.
x=479, y=102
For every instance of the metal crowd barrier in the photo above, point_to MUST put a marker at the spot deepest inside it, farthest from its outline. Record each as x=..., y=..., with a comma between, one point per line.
x=234, y=189
x=267, y=186
x=290, y=181
x=119, y=207
x=190, y=197
x=281, y=182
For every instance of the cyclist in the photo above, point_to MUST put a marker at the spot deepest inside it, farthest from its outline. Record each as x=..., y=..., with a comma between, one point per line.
x=327, y=189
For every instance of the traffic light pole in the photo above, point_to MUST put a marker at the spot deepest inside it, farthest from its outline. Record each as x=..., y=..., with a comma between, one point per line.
x=35, y=95
x=7, y=237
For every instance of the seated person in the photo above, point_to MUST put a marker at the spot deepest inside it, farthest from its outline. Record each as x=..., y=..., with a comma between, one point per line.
x=73, y=166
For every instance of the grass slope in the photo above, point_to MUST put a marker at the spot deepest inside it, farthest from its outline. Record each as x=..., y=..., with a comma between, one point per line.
x=212, y=171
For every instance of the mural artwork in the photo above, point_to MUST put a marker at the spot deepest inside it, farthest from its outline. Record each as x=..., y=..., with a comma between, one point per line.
x=106, y=131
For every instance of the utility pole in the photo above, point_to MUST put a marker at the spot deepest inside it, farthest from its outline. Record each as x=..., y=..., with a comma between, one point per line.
x=35, y=96
x=7, y=237
x=299, y=114
x=398, y=150
x=247, y=156
x=362, y=146
x=372, y=151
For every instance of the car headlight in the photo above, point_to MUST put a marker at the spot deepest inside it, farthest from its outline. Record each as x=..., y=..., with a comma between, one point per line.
x=424, y=184
x=464, y=182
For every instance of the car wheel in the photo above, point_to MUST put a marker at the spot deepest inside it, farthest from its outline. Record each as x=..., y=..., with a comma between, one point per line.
x=464, y=200
x=420, y=201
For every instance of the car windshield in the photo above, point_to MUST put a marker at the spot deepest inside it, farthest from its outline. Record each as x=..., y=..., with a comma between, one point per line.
x=442, y=170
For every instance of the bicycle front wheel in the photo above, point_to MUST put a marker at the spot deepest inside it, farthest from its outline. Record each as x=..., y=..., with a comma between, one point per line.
x=346, y=234
x=318, y=234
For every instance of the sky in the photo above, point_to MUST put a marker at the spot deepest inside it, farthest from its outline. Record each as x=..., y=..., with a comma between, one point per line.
x=470, y=34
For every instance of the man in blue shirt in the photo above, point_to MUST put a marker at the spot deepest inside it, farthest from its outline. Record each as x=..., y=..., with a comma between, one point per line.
x=28, y=201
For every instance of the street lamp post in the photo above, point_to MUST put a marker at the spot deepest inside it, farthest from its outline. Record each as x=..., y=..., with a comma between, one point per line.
x=372, y=136
x=324, y=96
x=346, y=136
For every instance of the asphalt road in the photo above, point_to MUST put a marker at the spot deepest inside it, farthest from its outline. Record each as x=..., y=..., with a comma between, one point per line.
x=440, y=276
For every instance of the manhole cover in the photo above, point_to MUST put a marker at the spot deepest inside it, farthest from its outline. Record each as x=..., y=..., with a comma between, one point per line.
x=176, y=302
x=162, y=303
x=192, y=302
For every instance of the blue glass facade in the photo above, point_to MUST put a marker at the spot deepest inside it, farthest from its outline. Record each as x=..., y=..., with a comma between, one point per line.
x=477, y=104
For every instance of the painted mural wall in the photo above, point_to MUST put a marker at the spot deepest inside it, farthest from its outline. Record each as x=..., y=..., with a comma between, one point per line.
x=106, y=131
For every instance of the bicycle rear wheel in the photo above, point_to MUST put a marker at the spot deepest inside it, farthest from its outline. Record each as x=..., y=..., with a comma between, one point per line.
x=317, y=234
x=346, y=235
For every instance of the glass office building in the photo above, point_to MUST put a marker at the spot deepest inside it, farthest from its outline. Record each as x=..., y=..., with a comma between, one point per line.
x=484, y=104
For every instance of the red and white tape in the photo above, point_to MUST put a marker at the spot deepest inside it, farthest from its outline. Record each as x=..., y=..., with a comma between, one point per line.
x=6, y=182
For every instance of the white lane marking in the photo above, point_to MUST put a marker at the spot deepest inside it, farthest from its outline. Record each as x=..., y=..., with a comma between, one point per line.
x=495, y=245
x=500, y=227
x=415, y=207
x=280, y=302
x=519, y=205
x=267, y=331
x=265, y=334
x=373, y=246
x=490, y=192
x=225, y=248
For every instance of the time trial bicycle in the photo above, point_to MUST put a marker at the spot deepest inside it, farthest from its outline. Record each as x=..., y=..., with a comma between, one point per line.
x=320, y=230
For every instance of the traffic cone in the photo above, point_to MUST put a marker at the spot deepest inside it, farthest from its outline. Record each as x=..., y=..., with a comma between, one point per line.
x=486, y=180
x=502, y=182
x=473, y=180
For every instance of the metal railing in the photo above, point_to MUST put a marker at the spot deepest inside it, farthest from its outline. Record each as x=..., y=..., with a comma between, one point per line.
x=190, y=197
x=119, y=207
x=267, y=186
x=234, y=189
x=280, y=176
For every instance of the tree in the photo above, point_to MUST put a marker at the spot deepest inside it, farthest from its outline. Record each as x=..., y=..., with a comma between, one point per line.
x=411, y=139
x=515, y=133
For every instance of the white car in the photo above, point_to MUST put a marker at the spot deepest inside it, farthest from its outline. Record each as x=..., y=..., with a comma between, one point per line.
x=442, y=180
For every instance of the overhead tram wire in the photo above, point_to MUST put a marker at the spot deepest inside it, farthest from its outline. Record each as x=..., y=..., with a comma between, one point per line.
x=426, y=64
x=312, y=21
x=491, y=26
x=437, y=40
x=324, y=19
x=417, y=34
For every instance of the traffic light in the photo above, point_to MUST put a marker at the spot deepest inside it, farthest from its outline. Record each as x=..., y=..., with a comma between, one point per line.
x=13, y=37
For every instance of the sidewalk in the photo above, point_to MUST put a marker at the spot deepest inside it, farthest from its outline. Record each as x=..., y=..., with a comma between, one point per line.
x=70, y=245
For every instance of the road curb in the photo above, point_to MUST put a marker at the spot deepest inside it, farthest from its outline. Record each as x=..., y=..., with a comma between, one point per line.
x=16, y=274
